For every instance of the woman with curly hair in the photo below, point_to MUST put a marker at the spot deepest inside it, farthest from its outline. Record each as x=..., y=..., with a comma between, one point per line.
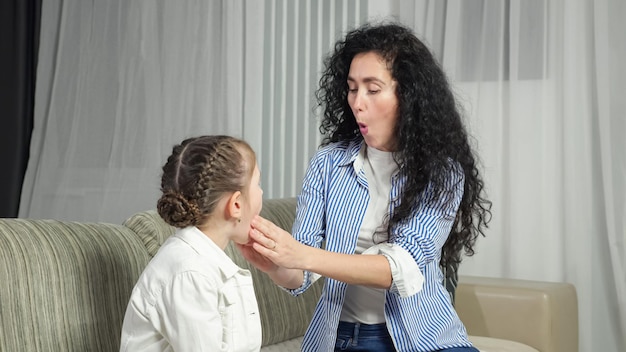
x=192, y=296
x=393, y=195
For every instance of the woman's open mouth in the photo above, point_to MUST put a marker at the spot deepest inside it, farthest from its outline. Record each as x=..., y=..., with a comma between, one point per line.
x=363, y=128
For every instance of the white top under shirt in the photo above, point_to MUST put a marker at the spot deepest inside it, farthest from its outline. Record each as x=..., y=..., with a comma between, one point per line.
x=366, y=304
x=192, y=297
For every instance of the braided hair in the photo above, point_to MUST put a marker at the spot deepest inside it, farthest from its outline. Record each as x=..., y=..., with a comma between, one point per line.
x=198, y=173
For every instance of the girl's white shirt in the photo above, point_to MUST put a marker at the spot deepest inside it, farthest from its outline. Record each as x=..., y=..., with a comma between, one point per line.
x=192, y=297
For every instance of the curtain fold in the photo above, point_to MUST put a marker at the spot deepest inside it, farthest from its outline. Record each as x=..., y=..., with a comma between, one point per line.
x=286, y=42
x=610, y=77
x=19, y=40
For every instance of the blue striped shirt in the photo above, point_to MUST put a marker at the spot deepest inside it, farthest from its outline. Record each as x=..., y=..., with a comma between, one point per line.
x=330, y=209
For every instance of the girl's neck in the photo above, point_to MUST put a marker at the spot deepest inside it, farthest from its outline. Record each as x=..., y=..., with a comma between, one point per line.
x=216, y=233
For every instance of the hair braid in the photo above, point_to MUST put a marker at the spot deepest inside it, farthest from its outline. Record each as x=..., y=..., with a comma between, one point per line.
x=199, y=173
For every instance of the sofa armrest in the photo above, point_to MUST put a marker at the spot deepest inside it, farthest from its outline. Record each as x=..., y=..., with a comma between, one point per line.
x=543, y=315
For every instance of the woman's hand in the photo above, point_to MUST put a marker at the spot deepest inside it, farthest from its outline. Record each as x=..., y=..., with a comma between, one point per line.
x=255, y=258
x=261, y=251
x=277, y=244
x=292, y=257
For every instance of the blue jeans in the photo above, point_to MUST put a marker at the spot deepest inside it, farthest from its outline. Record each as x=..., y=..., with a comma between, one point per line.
x=364, y=337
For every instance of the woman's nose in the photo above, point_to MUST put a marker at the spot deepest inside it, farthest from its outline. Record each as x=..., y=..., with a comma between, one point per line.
x=357, y=102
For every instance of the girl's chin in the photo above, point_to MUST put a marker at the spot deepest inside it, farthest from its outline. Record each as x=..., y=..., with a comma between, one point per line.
x=244, y=241
x=247, y=244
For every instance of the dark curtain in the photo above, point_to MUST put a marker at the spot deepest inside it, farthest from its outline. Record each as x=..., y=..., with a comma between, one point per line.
x=19, y=41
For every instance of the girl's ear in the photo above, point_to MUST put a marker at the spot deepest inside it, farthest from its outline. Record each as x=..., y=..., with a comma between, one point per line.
x=234, y=205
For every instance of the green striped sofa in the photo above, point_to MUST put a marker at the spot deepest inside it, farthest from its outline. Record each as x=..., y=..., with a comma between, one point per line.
x=64, y=286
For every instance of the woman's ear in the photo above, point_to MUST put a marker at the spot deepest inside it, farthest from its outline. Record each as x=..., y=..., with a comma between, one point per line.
x=234, y=205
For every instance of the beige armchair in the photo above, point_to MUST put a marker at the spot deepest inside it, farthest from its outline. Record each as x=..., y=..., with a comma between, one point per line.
x=541, y=315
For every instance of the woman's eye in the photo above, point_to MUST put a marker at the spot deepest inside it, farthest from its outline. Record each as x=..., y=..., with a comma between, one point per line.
x=352, y=90
x=373, y=91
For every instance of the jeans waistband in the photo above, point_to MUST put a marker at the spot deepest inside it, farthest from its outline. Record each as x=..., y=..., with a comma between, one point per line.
x=368, y=329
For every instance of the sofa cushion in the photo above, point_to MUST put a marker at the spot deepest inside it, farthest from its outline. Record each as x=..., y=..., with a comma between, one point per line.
x=151, y=228
x=65, y=285
x=491, y=344
x=285, y=346
x=281, y=212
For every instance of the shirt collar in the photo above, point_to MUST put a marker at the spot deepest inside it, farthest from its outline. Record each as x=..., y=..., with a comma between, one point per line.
x=205, y=246
x=352, y=151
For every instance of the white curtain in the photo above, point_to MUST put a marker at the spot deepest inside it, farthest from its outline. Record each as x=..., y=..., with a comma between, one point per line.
x=542, y=83
x=543, y=87
x=120, y=82
x=285, y=44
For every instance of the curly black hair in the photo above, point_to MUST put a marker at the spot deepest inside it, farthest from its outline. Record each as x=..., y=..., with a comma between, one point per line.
x=430, y=133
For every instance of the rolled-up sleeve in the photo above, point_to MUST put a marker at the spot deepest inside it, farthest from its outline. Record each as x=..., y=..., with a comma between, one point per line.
x=407, y=278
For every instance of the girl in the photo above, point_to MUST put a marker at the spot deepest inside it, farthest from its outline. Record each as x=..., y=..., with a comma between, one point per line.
x=192, y=296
